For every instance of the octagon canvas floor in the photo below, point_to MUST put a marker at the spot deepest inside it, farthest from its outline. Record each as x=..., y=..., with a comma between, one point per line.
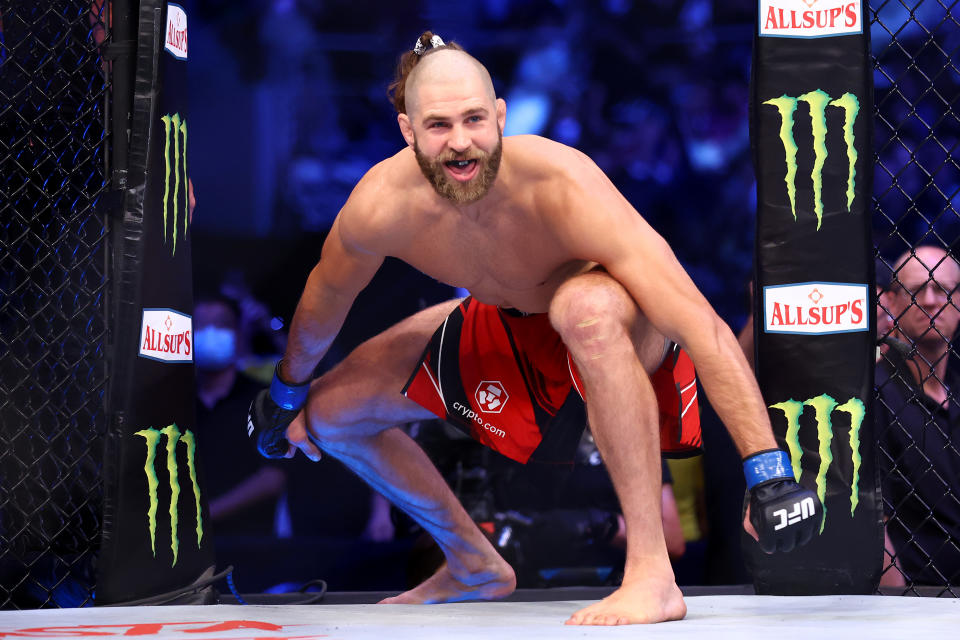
x=709, y=617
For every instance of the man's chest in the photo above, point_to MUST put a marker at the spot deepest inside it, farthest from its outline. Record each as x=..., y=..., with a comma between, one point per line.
x=509, y=264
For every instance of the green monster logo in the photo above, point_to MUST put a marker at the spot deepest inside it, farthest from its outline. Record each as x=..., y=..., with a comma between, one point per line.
x=152, y=436
x=175, y=127
x=824, y=407
x=818, y=102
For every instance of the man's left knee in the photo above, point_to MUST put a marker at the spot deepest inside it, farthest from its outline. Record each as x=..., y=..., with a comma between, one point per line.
x=591, y=312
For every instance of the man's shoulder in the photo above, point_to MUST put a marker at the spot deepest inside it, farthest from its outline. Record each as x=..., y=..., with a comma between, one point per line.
x=386, y=178
x=377, y=215
x=541, y=152
x=534, y=142
x=383, y=190
x=551, y=168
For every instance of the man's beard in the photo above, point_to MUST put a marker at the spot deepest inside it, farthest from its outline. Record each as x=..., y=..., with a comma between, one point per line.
x=462, y=192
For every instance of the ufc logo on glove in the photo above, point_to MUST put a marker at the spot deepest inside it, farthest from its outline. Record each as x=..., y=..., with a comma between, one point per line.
x=801, y=511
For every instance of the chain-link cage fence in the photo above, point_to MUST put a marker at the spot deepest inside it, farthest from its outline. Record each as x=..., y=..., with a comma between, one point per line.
x=53, y=276
x=917, y=227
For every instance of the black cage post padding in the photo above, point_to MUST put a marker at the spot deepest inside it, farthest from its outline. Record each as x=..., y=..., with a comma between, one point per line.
x=811, y=130
x=157, y=538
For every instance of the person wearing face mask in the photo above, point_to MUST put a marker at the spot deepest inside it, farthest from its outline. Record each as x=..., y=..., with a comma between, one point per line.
x=917, y=417
x=244, y=488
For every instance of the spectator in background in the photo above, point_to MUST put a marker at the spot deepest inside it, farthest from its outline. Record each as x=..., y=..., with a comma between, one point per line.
x=244, y=487
x=260, y=335
x=918, y=419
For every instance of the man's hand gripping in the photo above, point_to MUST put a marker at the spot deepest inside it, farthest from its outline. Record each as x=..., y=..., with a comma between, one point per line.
x=271, y=412
x=782, y=514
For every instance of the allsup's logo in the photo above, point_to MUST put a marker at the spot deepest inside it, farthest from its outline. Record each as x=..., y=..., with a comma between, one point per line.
x=809, y=18
x=173, y=437
x=815, y=308
x=176, y=37
x=817, y=101
x=825, y=409
x=166, y=335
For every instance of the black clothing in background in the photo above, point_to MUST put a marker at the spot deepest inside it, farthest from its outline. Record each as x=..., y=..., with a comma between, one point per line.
x=227, y=457
x=920, y=466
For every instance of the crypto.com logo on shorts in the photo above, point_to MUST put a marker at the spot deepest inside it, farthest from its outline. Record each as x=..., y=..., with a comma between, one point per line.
x=491, y=396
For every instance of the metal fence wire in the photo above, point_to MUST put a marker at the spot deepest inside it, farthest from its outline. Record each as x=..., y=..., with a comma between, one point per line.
x=53, y=318
x=916, y=231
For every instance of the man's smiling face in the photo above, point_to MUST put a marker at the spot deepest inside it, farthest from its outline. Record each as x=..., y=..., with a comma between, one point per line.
x=454, y=124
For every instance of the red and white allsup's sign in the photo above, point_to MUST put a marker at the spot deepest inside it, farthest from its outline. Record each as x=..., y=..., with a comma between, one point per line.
x=809, y=18
x=815, y=308
x=176, y=37
x=166, y=335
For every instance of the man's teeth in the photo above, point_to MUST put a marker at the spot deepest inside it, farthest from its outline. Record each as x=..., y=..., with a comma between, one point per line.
x=460, y=164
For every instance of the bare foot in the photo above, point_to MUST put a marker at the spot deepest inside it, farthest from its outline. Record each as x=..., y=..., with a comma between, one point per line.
x=637, y=602
x=498, y=582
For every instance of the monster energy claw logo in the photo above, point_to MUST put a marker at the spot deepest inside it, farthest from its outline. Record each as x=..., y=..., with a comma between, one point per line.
x=152, y=437
x=818, y=101
x=824, y=407
x=175, y=191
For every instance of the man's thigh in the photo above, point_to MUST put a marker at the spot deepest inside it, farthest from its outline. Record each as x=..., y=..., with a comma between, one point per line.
x=365, y=388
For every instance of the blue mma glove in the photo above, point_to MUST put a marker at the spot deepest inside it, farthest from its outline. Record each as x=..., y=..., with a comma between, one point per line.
x=784, y=513
x=272, y=411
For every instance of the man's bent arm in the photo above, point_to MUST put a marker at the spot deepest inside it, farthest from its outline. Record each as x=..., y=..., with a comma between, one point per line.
x=333, y=285
x=600, y=225
x=673, y=304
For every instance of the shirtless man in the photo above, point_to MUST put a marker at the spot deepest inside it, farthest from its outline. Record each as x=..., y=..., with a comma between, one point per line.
x=528, y=226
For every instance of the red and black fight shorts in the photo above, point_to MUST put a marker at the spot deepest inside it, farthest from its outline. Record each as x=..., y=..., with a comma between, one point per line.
x=503, y=377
